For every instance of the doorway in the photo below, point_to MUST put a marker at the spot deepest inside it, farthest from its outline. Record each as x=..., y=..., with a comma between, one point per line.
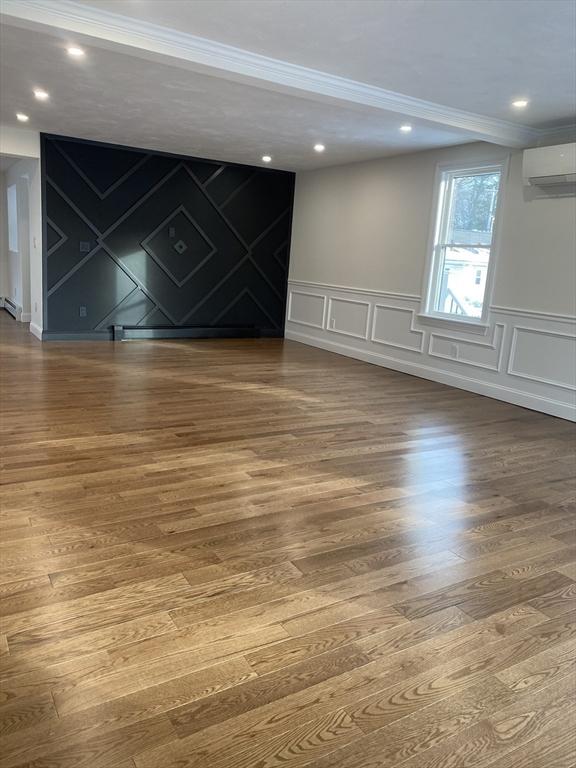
x=17, y=238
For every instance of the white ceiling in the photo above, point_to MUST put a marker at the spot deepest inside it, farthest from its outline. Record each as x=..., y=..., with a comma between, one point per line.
x=470, y=55
x=146, y=104
x=448, y=67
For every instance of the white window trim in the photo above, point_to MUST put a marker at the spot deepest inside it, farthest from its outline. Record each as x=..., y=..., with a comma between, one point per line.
x=429, y=316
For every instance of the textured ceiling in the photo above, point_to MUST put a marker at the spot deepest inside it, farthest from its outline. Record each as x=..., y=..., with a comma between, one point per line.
x=469, y=56
x=475, y=56
x=113, y=97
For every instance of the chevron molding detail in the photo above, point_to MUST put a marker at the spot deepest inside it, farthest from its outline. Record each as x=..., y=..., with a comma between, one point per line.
x=141, y=238
x=202, y=55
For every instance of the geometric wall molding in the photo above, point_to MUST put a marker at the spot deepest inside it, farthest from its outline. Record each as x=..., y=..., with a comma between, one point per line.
x=307, y=308
x=533, y=313
x=532, y=365
x=534, y=350
x=348, y=317
x=394, y=295
x=142, y=238
x=480, y=354
x=171, y=239
x=394, y=327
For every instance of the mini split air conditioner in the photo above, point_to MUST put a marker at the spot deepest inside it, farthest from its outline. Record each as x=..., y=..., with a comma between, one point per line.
x=550, y=165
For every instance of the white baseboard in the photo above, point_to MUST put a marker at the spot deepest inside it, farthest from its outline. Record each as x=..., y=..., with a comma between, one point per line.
x=25, y=317
x=496, y=391
x=525, y=358
x=35, y=330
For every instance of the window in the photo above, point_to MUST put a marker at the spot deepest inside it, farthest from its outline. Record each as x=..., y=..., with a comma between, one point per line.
x=463, y=243
x=12, y=218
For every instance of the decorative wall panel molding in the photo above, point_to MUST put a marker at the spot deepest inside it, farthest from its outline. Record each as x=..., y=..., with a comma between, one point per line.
x=480, y=354
x=348, y=317
x=394, y=327
x=142, y=238
x=534, y=313
x=528, y=359
x=534, y=351
x=307, y=308
x=355, y=291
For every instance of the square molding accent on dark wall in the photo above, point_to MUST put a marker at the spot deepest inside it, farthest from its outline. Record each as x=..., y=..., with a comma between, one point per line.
x=147, y=239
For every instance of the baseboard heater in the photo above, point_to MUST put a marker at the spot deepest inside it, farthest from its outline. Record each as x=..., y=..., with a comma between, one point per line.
x=14, y=309
x=122, y=332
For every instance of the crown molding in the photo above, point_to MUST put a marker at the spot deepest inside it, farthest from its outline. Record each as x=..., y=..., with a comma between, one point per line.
x=138, y=38
x=559, y=134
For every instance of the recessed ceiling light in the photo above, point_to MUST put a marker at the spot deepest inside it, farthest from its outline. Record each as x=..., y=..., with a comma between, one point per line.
x=520, y=103
x=405, y=128
x=22, y=117
x=73, y=50
x=40, y=94
x=319, y=147
x=266, y=159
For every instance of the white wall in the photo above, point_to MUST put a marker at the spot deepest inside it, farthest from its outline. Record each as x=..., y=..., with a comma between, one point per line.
x=26, y=172
x=3, y=237
x=19, y=142
x=359, y=249
x=537, y=266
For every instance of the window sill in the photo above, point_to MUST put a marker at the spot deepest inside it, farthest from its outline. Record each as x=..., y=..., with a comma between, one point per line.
x=456, y=324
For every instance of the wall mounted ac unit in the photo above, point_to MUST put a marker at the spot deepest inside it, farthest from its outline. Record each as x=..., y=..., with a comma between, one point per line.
x=544, y=166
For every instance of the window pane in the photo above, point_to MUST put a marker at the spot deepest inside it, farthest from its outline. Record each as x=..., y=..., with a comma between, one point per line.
x=472, y=208
x=462, y=252
x=461, y=281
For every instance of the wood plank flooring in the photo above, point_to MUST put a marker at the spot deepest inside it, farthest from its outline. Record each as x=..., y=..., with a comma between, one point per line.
x=255, y=554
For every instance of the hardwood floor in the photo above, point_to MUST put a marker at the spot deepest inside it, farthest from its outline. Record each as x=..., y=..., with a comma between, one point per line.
x=255, y=554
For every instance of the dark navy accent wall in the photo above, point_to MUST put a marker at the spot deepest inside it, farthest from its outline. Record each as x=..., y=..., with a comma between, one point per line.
x=142, y=238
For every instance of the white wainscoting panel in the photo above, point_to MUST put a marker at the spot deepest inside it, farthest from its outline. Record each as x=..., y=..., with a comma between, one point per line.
x=306, y=308
x=480, y=354
x=527, y=357
x=394, y=327
x=543, y=355
x=349, y=317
